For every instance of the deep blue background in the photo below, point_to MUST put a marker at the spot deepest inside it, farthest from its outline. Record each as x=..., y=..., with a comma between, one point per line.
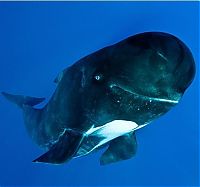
x=37, y=40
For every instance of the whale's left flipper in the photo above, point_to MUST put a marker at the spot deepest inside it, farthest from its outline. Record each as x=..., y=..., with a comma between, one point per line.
x=121, y=148
x=64, y=149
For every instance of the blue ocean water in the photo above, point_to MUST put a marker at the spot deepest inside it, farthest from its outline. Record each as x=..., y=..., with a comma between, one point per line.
x=39, y=39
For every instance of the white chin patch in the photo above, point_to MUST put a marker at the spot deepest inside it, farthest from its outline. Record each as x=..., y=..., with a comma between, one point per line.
x=111, y=130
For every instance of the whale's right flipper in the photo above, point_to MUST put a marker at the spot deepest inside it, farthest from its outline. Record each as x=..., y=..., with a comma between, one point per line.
x=121, y=148
x=64, y=149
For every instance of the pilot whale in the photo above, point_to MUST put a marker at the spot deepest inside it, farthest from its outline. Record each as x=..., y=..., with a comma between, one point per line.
x=103, y=98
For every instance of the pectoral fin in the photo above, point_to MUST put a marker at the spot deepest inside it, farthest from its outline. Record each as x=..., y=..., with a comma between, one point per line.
x=64, y=149
x=121, y=148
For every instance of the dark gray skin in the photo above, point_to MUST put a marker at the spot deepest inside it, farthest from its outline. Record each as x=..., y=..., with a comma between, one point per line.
x=138, y=79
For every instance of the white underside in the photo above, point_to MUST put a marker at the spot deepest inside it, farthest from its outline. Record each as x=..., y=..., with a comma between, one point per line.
x=112, y=130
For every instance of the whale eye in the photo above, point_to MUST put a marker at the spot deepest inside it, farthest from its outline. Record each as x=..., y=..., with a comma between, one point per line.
x=99, y=77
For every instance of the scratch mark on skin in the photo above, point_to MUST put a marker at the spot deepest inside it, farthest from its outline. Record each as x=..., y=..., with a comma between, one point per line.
x=146, y=97
x=162, y=56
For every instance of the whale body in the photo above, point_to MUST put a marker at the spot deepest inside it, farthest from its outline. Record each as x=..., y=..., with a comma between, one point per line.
x=102, y=99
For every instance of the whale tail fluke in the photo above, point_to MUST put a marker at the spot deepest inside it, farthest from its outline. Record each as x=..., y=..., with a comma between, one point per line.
x=21, y=100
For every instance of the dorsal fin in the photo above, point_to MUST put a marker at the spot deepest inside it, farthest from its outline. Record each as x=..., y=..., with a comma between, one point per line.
x=21, y=100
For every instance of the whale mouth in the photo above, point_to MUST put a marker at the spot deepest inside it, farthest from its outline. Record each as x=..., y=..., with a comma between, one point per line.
x=115, y=86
